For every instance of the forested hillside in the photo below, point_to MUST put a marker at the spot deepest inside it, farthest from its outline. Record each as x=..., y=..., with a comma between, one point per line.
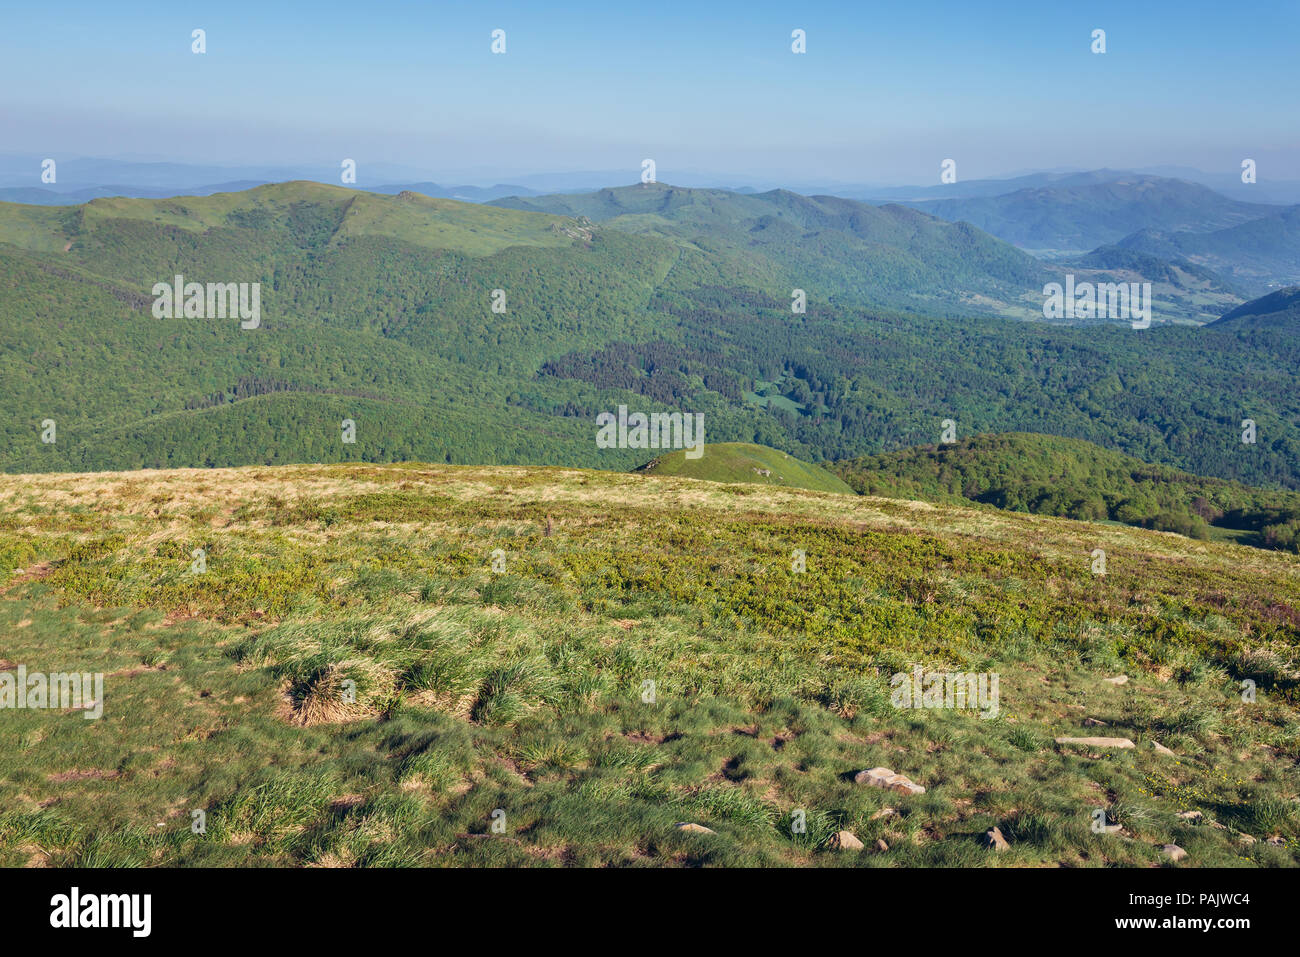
x=1047, y=475
x=379, y=309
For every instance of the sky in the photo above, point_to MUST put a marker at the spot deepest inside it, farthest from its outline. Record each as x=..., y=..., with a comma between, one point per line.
x=884, y=94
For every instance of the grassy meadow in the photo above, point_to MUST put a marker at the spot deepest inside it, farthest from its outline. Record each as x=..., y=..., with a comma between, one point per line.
x=379, y=663
x=747, y=463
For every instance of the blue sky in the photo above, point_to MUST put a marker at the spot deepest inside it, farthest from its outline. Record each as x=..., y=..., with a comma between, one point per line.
x=884, y=93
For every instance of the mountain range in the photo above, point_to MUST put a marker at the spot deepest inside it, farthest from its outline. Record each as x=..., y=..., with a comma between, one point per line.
x=1083, y=212
x=383, y=310
x=1181, y=216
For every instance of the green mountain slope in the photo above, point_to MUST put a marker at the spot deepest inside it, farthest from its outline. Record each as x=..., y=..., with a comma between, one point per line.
x=744, y=462
x=1047, y=475
x=379, y=309
x=830, y=247
x=1278, y=310
x=310, y=214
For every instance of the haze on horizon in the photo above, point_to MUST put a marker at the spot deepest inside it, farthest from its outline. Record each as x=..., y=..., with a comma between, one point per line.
x=880, y=96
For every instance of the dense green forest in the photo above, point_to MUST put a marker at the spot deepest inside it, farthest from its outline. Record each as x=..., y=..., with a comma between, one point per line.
x=1048, y=475
x=379, y=309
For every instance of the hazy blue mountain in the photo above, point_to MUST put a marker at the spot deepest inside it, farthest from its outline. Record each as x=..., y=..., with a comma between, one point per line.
x=1092, y=210
x=970, y=188
x=1266, y=188
x=1257, y=254
x=466, y=194
x=150, y=180
x=47, y=197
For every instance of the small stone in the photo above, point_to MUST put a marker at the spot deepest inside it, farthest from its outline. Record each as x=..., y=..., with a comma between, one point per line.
x=1093, y=723
x=1245, y=838
x=876, y=777
x=993, y=838
x=881, y=845
x=694, y=828
x=1097, y=742
x=1160, y=748
x=885, y=778
x=1117, y=680
x=905, y=785
x=846, y=841
x=1190, y=815
x=883, y=812
x=1173, y=852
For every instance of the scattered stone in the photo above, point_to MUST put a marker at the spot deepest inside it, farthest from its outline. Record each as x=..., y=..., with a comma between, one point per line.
x=1173, y=852
x=883, y=812
x=1097, y=742
x=1190, y=815
x=1093, y=723
x=885, y=778
x=846, y=841
x=1162, y=749
x=1245, y=838
x=881, y=846
x=694, y=828
x=1112, y=829
x=1117, y=680
x=993, y=838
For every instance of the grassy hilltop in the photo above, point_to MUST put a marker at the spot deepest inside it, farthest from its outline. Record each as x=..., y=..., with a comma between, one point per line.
x=524, y=687
x=744, y=462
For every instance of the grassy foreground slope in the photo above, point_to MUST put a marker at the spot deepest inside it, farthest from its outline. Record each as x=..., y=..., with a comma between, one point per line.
x=503, y=625
x=745, y=462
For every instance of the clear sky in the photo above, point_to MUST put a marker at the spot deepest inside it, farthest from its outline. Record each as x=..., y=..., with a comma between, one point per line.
x=885, y=92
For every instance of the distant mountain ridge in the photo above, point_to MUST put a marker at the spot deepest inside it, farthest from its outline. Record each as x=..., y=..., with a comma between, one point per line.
x=1084, y=212
x=1258, y=253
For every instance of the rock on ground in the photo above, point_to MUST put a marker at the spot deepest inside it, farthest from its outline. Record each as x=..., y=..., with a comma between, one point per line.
x=694, y=828
x=1173, y=852
x=1097, y=742
x=885, y=778
x=846, y=841
x=993, y=838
